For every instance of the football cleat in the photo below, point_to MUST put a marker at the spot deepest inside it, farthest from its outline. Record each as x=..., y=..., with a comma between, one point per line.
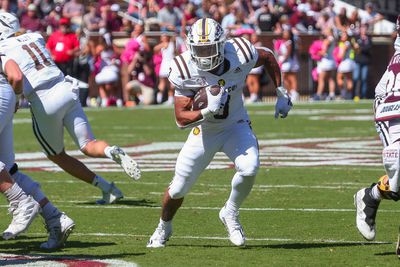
x=59, y=228
x=24, y=212
x=233, y=226
x=160, y=236
x=111, y=196
x=366, y=209
x=130, y=166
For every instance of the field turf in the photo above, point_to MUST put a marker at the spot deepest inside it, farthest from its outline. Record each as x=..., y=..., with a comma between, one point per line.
x=300, y=212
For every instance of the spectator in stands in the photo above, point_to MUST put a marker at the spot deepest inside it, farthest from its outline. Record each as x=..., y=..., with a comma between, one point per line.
x=371, y=17
x=341, y=20
x=150, y=10
x=354, y=22
x=141, y=87
x=287, y=59
x=346, y=66
x=92, y=20
x=52, y=20
x=112, y=19
x=64, y=46
x=362, y=45
x=74, y=11
x=302, y=20
x=166, y=48
x=326, y=66
x=30, y=21
x=229, y=20
x=188, y=17
x=264, y=19
x=45, y=7
x=169, y=17
x=325, y=21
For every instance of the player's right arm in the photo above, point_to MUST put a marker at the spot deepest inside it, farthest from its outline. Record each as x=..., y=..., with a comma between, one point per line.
x=14, y=75
x=185, y=117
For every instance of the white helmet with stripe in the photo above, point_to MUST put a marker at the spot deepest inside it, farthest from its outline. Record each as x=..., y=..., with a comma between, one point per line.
x=9, y=25
x=206, y=41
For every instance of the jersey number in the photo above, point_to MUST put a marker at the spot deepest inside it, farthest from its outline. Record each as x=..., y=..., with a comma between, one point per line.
x=38, y=64
x=225, y=111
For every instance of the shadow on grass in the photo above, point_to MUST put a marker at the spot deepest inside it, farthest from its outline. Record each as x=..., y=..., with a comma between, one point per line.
x=287, y=245
x=24, y=247
x=316, y=245
x=127, y=202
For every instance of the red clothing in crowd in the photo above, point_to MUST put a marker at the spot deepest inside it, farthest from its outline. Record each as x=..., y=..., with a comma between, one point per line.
x=60, y=43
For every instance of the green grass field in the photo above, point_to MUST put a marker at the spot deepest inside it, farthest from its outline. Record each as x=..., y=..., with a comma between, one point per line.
x=300, y=212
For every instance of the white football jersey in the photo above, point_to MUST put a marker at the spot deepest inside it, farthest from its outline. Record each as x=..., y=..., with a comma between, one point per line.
x=241, y=56
x=34, y=60
x=390, y=81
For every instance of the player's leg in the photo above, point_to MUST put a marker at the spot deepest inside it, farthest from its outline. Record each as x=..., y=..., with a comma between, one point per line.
x=22, y=207
x=367, y=200
x=48, y=114
x=194, y=157
x=79, y=128
x=242, y=148
x=58, y=224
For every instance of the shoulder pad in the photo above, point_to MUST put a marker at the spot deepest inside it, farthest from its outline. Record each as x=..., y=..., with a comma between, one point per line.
x=179, y=70
x=246, y=52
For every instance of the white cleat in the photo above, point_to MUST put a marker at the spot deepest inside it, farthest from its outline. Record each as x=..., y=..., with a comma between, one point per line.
x=160, y=236
x=366, y=209
x=127, y=163
x=233, y=226
x=59, y=228
x=111, y=196
x=23, y=212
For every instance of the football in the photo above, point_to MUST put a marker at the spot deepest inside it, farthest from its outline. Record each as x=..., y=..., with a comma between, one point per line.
x=200, y=98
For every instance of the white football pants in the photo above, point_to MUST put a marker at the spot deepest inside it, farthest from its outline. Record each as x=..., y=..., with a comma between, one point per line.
x=237, y=141
x=7, y=107
x=54, y=108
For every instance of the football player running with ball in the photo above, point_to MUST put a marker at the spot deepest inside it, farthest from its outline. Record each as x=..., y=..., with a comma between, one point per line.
x=54, y=105
x=221, y=126
x=387, y=121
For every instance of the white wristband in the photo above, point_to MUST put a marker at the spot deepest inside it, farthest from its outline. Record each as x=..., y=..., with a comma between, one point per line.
x=206, y=113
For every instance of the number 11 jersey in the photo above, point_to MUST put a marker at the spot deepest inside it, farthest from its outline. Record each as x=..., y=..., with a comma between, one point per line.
x=29, y=52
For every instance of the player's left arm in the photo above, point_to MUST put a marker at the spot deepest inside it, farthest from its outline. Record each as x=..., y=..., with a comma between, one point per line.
x=267, y=59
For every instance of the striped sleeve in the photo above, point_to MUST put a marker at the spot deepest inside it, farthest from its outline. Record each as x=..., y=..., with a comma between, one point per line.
x=179, y=71
x=246, y=51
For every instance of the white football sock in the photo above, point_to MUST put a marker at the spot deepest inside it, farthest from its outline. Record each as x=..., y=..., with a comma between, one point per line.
x=14, y=193
x=101, y=183
x=107, y=151
x=241, y=187
x=164, y=223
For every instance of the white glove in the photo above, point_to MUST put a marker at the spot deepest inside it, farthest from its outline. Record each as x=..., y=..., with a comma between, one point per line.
x=283, y=103
x=215, y=103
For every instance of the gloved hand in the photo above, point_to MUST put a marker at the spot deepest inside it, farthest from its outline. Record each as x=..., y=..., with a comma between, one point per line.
x=215, y=104
x=283, y=103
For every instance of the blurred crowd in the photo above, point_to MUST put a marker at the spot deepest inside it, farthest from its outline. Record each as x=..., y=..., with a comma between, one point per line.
x=83, y=39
